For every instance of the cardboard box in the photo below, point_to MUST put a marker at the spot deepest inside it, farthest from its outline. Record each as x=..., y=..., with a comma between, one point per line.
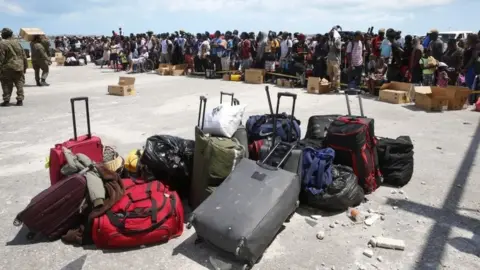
x=317, y=85
x=226, y=77
x=58, y=55
x=126, y=81
x=29, y=33
x=121, y=90
x=394, y=96
x=254, y=75
x=457, y=97
x=165, y=71
x=431, y=98
x=178, y=70
x=408, y=88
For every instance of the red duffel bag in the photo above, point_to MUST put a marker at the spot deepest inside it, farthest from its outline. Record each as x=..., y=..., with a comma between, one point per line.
x=148, y=213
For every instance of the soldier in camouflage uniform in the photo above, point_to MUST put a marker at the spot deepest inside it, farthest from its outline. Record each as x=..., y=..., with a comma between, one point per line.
x=40, y=60
x=13, y=65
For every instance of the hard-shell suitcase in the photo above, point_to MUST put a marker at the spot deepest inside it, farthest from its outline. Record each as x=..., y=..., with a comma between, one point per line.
x=293, y=161
x=248, y=209
x=148, y=213
x=87, y=144
x=56, y=209
x=353, y=139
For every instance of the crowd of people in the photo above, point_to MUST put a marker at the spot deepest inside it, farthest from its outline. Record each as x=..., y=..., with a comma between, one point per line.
x=355, y=58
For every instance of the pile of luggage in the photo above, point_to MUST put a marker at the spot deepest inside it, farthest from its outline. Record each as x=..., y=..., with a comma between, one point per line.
x=243, y=182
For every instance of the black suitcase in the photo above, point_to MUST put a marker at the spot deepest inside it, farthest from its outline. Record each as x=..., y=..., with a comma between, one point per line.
x=246, y=212
x=318, y=125
x=293, y=161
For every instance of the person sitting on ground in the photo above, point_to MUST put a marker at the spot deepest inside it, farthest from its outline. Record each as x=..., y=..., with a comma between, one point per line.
x=377, y=75
x=140, y=60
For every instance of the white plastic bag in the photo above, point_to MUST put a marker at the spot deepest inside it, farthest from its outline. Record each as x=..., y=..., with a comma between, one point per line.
x=223, y=120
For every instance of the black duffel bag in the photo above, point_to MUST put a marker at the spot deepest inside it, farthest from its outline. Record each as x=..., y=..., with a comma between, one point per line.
x=395, y=158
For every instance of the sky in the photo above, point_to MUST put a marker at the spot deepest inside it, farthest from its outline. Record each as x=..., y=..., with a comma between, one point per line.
x=100, y=17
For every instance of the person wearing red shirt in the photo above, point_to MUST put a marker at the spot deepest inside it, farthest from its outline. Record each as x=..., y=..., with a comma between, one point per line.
x=377, y=42
x=245, y=52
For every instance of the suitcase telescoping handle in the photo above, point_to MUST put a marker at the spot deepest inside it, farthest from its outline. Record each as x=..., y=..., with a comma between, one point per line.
x=87, y=109
x=359, y=102
x=201, y=114
x=267, y=90
x=234, y=101
x=292, y=117
x=263, y=163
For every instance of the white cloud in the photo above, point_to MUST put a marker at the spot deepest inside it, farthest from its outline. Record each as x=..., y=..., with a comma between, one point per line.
x=9, y=7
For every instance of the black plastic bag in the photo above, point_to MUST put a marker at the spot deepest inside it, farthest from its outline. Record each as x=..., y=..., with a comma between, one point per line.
x=395, y=158
x=170, y=160
x=344, y=192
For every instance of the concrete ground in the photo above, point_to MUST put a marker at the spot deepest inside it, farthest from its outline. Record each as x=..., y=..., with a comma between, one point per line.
x=437, y=215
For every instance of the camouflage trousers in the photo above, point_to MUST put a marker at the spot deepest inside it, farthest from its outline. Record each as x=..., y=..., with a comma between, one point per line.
x=43, y=66
x=10, y=78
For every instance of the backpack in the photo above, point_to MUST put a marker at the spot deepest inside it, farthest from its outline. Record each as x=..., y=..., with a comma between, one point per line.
x=395, y=158
x=261, y=127
x=317, y=169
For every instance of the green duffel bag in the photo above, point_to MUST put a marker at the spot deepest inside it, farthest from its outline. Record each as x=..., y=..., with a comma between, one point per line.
x=214, y=159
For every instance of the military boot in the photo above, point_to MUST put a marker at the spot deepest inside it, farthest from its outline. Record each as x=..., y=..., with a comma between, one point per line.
x=5, y=104
x=38, y=83
x=44, y=83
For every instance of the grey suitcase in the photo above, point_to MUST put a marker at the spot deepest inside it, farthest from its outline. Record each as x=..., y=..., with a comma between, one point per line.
x=294, y=159
x=246, y=212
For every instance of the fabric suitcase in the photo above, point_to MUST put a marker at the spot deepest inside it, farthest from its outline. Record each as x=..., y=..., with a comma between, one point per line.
x=246, y=221
x=395, y=158
x=318, y=125
x=261, y=127
x=355, y=145
x=293, y=161
x=89, y=145
x=148, y=213
x=214, y=159
x=56, y=209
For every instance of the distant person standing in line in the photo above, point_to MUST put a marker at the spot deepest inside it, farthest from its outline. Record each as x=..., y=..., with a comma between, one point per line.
x=40, y=61
x=13, y=65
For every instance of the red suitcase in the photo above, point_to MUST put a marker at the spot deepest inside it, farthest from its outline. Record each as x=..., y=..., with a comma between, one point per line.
x=89, y=145
x=148, y=213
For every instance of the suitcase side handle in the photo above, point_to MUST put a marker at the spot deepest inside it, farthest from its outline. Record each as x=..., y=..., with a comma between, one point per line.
x=87, y=110
x=292, y=117
x=201, y=116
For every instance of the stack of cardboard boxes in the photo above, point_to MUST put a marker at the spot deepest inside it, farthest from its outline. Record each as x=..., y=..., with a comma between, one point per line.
x=286, y=83
x=125, y=87
x=254, y=75
x=317, y=85
x=172, y=70
x=428, y=98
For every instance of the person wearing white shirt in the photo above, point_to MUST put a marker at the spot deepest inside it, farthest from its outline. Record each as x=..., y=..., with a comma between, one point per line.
x=285, y=51
x=141, y=59
x=166, y=50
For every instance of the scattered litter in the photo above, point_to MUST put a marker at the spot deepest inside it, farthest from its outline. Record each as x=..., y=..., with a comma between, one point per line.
x=401, y=191
x=369, y=221
x=380, y=259
x=320, y=235
x=316, y=217
x=424, y=183
x=365, y=227
x=467, y=123
x=336, y=222
x=395, y=207
x=389, y=243
x=406, y=198
x=361, y=267
x=459, y=186
x=376, y=267
x=439, y=148
x=393, y=191
x=370, y=245
x=332, y=225
x=333, y=268
x=323, y=264
x=355, y=215
x=371, y=211
x=382, y=217
x=368, y=253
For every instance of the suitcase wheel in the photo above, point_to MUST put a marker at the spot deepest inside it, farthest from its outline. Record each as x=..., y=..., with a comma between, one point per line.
x=246, y=267
x=240, y=246
x=190, y=221
x=189, y=225
x=30, y=235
